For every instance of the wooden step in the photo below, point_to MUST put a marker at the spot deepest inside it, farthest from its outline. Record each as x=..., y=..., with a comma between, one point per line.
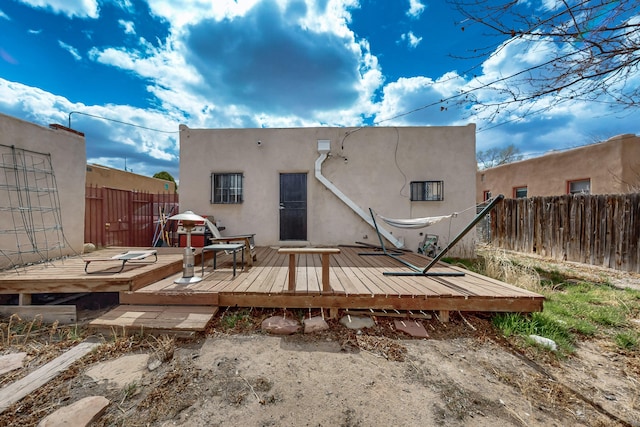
x=155, y=319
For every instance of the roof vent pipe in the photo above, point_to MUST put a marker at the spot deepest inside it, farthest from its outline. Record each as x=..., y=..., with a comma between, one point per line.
x=324, y=146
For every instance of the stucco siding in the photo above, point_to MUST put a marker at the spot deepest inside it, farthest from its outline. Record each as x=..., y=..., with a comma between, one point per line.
x=68, y=162
x=371, y=166
x=608, y=165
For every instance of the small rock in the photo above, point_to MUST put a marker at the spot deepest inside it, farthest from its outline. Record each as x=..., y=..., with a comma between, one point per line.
x=357, y=322
x=9, y=362
x=411, y=327
x=120, y=372
x=154, y=364
x=81, y=413
x=315, y=324
x=88, y=248
x=279, y=325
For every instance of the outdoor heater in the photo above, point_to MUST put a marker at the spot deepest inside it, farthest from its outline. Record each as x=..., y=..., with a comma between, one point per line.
x=189, y=220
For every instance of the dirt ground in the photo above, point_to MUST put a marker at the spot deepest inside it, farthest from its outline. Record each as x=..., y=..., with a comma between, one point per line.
x=464, y=374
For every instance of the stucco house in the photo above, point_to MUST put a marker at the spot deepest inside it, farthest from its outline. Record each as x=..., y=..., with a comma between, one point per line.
x=42, y=185
x=608, y=167
x=314, y=186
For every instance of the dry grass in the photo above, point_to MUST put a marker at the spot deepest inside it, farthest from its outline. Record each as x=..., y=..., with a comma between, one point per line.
x=499, y=266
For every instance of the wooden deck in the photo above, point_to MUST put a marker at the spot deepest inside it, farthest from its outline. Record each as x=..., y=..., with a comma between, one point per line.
x=356, y=282
x=68, y=275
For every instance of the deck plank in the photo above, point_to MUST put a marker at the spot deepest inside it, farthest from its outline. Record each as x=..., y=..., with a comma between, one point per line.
x=256, y=277
x=353, y=284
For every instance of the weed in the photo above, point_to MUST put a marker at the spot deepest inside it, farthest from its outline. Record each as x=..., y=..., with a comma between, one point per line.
x=129, y=391
x=542, y=324
x=236, y=319
x=627, y=340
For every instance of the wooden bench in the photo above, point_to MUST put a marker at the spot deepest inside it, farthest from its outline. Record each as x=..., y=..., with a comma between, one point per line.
x=325, y=252
x=131, y=256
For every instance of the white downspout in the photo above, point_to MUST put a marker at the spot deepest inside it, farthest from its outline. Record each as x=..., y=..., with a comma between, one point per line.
x=324, y=151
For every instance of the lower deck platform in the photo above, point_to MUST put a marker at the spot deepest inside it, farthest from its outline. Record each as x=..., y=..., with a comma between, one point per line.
x=356, y=281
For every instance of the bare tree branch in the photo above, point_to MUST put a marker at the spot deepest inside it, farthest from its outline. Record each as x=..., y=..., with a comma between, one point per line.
x=585, y=50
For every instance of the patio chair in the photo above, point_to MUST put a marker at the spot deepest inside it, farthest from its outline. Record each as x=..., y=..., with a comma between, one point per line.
x=247, y=239
x=133, y=257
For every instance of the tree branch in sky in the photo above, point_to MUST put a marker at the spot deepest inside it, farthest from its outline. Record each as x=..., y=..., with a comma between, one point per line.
x=564, y=50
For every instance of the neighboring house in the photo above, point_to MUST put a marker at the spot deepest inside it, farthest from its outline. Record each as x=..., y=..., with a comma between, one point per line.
x=42, y=184
x=314, y=186
x=103, y=176
x=609, y=167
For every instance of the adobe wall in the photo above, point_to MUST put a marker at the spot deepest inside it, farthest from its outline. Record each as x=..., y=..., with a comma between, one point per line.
x=101, y=176
x=46, y=191
x=372, y=166
x=606, y=164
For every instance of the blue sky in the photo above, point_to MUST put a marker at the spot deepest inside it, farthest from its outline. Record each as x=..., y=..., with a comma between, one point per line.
x=273, y=63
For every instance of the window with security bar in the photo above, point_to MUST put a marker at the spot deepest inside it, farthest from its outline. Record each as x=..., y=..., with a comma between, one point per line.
x=226, y=188
x=519, y=192
x=582, y=186
x=427, y=191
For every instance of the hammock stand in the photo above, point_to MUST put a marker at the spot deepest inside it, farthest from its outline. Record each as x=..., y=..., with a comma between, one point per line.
x=419, y=271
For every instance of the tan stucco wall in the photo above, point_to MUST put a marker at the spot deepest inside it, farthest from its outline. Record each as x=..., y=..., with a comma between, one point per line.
x=610, y=165
x=68, y=161
x=381, y=162
x=101, y=176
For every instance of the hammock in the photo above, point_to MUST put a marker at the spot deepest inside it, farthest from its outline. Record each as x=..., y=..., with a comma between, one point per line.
x=419, y=271
x=415, y=222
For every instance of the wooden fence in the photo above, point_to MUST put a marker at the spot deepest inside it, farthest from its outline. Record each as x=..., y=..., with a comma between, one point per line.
x=601, y=230
x=127, y=218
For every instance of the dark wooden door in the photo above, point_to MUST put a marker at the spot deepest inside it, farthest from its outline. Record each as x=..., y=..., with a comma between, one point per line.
x=293, y=206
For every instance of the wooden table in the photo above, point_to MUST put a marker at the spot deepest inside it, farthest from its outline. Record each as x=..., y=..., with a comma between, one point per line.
x=325, y=252
x=232, y=247
x=247, y=239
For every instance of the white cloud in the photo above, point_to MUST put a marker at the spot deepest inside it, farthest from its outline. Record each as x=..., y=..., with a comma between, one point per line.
x=4, y=16
x=72, y=50
x=415, y=8
x=283, y=45
x=128, y=26
x=107, y=141
x=183, y=13
x=36, y=32
x=421, y=97
x=552, y=4
x=411, y=39
x=71, y=8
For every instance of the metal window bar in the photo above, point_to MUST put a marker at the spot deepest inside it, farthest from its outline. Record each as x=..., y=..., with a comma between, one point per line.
x=227, y=188
x=427, y=191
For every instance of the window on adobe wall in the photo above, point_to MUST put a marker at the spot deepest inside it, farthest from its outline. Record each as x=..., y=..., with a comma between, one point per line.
x=520, y=192
x=226, y=188
x=582, y=186
x=487, y=195
x=427, y=191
